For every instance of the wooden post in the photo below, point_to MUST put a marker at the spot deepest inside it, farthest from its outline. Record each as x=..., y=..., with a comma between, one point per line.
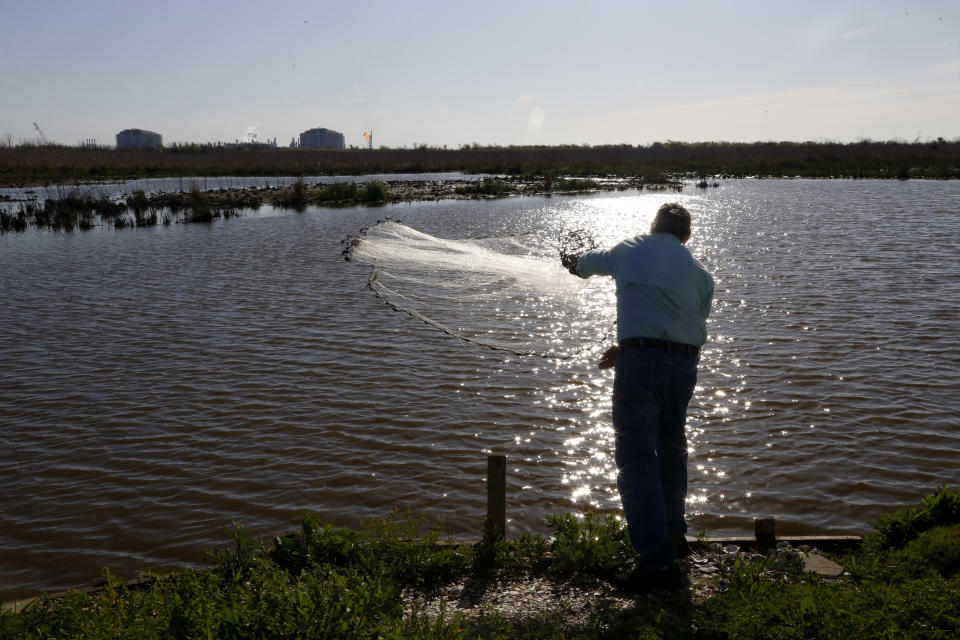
x=765, y=530
x=497, y=492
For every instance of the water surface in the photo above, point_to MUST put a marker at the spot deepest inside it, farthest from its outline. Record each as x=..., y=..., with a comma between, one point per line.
x=159, y=383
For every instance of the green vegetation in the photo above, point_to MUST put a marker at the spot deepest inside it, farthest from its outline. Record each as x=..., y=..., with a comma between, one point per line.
x=594, y=545
x=77, y=209
x=16, y=221
x=574, y=184
x=502, y=187
x=865, y=159
x=197, y=205
x=374, y=193
x=294, y=197
x=486, y=187
x=895, y=530
x=74, y=208
x=519, y=170
x=71, y=209
x=298, y=195
x=325, y=582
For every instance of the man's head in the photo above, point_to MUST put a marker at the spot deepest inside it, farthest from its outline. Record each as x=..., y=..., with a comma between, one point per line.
x=672, y=218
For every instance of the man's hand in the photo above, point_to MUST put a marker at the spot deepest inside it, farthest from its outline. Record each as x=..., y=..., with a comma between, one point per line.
x=609, y=357
x=570, y=262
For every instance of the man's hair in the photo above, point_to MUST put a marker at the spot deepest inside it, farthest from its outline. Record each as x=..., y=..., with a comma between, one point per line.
x=672, y=218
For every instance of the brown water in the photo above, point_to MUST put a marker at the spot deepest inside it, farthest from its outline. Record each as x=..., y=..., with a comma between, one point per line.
x=156, y=384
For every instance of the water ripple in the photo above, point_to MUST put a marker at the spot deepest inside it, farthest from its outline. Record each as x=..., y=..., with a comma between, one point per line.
x=159, y=383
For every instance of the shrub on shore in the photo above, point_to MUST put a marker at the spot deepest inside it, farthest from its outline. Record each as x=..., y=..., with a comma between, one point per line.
x=294, y=197
x=940, y=509
x=375, y=192
x=337, y=192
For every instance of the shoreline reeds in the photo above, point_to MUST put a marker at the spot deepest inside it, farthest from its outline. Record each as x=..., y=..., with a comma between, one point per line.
x=76, y=209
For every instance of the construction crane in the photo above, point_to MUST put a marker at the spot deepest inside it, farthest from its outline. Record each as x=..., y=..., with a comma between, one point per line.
x=43, y=138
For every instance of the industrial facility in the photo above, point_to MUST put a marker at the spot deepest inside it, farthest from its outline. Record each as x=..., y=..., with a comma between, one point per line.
x=139, y=139
x=321, y=139
x=318, y=138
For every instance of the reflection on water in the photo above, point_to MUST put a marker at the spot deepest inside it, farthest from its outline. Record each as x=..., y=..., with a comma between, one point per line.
x=160, y=382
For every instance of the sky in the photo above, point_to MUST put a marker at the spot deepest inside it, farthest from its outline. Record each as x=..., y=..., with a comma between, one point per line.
x=494, y=72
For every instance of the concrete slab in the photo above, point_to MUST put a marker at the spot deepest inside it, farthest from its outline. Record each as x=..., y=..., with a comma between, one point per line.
x=816, y=563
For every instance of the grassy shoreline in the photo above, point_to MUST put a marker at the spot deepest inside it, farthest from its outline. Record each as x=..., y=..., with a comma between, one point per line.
x=902, y=582
x=41, y=165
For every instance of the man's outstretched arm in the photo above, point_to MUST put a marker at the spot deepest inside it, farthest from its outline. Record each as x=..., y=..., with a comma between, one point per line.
x=592, y=263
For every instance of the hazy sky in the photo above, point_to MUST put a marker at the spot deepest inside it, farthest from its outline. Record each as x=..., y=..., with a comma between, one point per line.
x=492, y=72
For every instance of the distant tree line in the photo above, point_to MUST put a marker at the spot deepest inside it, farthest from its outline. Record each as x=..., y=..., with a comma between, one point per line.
x=939, y=158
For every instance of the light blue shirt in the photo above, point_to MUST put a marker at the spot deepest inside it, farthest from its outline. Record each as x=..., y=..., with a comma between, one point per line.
x=662, y=291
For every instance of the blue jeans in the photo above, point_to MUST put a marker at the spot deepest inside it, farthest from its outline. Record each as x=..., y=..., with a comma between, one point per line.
x=651, y=391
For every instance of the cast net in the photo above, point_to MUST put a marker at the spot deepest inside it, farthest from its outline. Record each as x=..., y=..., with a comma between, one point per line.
x=509, y=293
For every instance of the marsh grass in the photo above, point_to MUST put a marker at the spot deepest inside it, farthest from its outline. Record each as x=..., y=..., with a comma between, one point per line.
x=144, y=213
x=329, y=582
x=862, y=159
x=575, y=184
x=15, y=221
x=337, y=192
x=71, y=209
x=138, y=202
x=485, y=187
x=375, y=192
x=293, y=197
x=298, y=195
x=199, y=208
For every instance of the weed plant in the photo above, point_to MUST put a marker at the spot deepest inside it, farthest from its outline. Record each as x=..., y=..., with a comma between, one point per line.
x=591, y=544
x=486, y=187
x=345, y=192
x=138, y=202
x=942, y=508
x=374, y=193
x=294, y=197
x=329, y=582
x=73, y=209
x=298, y=195
x=575, y=184
x=16, y=221
x=144, y=214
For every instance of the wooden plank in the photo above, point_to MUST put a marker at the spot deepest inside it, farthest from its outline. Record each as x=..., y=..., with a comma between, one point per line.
x=765, y=530
x=497, y=492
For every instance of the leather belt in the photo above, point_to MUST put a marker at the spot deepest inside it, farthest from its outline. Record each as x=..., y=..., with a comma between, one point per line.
x=656, y=343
